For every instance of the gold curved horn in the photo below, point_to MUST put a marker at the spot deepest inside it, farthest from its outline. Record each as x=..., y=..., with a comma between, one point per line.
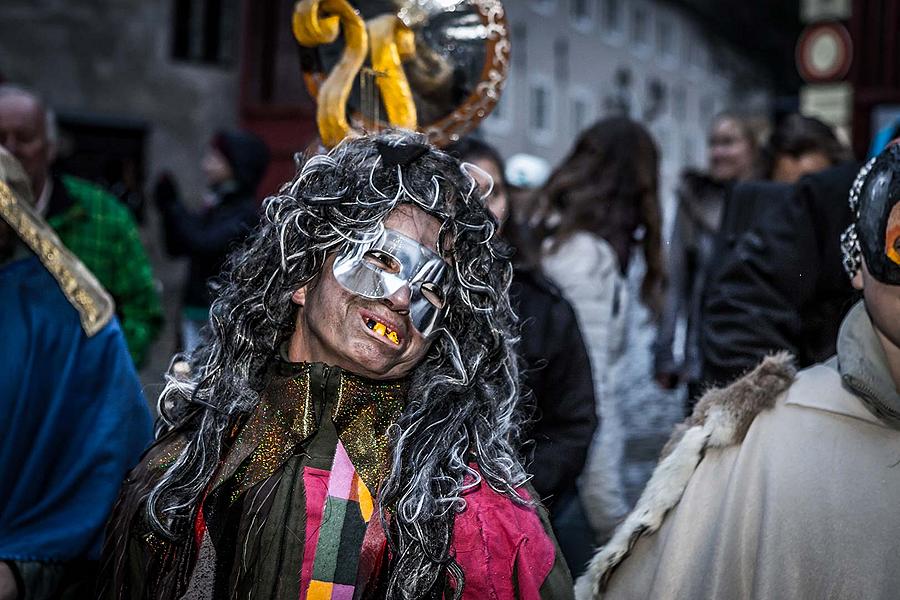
x=318, y=22
x=392, y=42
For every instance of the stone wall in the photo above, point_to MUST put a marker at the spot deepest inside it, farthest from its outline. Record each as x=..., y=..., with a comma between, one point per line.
x=112, y=59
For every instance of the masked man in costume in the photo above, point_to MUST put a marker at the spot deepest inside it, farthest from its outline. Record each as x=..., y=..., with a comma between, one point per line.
x=74, y=418
x=347, y=429
x=784, y=485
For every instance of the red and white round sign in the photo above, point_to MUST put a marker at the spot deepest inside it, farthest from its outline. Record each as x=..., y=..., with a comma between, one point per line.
x=824, y=52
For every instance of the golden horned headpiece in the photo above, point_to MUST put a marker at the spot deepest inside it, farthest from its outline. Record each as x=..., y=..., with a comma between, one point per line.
x=437, y=66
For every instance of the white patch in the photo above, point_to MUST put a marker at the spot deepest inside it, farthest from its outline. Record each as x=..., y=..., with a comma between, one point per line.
x=721, y=426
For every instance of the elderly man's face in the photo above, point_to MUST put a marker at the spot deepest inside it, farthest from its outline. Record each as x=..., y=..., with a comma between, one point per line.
x=332, y=322
x=23, y=131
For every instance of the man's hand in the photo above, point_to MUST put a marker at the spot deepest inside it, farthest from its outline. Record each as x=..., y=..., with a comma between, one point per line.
x=667, y=381
x=8, y=589
x=165, y=190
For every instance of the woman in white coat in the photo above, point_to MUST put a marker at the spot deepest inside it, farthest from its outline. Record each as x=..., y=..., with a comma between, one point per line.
x=598, y=205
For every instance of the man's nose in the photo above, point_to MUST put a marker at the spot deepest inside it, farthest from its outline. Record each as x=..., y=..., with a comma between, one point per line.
x=399, y=300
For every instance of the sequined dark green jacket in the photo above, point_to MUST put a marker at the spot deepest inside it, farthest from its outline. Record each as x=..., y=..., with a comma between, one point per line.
x=257, y=530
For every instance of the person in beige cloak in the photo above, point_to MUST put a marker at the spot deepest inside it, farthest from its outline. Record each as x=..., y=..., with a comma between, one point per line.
x=785, y=485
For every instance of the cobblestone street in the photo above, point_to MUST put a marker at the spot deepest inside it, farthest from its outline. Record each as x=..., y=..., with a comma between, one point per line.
x=648, y=412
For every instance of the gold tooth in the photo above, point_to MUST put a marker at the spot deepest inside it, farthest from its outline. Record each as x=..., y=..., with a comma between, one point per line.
x=394, y=337
x=379, y=328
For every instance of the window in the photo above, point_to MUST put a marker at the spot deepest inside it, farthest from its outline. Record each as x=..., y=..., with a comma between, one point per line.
x=679, y=103
x=654, y=99
x=581, y=109
x=540, y=100
x=665, y=38
x=519, y=40
x=544, y=7
x=613, y=12
x=582, y=13
x=499, y=120
x=561, y=59
x=540, y=110
x=620, y=100
x=205, y=31
x=640, y=26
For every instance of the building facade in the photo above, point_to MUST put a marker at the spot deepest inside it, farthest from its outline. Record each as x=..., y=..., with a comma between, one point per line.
x=575, y=61
x=166, y=72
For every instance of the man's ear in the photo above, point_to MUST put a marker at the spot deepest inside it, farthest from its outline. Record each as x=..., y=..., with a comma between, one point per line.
x=299, y=296
x=857, y=281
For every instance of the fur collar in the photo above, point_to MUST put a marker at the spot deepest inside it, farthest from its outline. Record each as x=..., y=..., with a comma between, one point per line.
x=721, y=418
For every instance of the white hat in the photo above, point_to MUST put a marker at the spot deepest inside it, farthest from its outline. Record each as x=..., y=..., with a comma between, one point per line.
x=527, y=170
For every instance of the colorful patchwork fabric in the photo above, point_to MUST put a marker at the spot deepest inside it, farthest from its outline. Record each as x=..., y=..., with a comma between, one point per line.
x=337, y=517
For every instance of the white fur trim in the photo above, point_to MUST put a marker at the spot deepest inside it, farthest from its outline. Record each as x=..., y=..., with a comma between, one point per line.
x=720, y=419
x=663, y=491
x=721, y=425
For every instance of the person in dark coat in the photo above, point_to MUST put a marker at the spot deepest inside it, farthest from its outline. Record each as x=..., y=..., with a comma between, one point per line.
x=234, y=166
x=555, y=365
x=780, y=283
x=733, y=156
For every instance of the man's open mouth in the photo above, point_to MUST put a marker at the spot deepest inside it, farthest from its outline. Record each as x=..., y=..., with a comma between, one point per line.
x=383, y=330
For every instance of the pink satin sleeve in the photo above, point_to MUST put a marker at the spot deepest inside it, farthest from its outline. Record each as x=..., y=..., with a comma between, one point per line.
x=502, y=547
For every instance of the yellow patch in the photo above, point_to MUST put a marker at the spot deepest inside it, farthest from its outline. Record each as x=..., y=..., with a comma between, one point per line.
x=366, y=506
x=319, y=590
x=892, y=235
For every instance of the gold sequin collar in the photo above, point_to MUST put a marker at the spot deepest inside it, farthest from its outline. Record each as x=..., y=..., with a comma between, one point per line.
x=290, y=411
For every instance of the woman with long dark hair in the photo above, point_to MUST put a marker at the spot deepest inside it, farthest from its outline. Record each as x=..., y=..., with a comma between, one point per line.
x=595, y=209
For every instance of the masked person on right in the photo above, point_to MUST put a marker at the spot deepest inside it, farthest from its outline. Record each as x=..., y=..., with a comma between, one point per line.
x=785, y=485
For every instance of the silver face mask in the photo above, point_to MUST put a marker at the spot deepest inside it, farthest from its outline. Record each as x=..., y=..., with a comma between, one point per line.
x=378, y=269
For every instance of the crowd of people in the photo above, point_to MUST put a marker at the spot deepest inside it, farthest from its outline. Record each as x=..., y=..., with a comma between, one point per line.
x=396, y=377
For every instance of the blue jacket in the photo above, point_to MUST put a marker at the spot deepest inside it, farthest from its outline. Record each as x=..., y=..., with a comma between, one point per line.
x=74, y=420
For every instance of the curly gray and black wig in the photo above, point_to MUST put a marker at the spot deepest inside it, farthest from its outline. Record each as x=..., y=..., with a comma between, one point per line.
x=463, y=396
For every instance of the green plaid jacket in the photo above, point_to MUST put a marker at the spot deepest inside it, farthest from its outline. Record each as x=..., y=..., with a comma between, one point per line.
x=100, y=231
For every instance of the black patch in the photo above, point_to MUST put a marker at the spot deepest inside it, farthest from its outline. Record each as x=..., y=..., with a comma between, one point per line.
x=400, y=154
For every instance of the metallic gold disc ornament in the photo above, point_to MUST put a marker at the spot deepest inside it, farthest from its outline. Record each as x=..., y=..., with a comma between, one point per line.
x=437, y=66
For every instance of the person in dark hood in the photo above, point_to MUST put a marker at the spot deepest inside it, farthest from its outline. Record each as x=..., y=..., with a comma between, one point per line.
x=234, y=165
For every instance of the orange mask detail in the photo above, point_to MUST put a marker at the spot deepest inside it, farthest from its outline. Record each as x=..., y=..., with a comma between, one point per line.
x=892, y=235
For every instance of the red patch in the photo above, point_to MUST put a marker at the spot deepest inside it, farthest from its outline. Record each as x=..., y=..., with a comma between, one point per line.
x=493, y=538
